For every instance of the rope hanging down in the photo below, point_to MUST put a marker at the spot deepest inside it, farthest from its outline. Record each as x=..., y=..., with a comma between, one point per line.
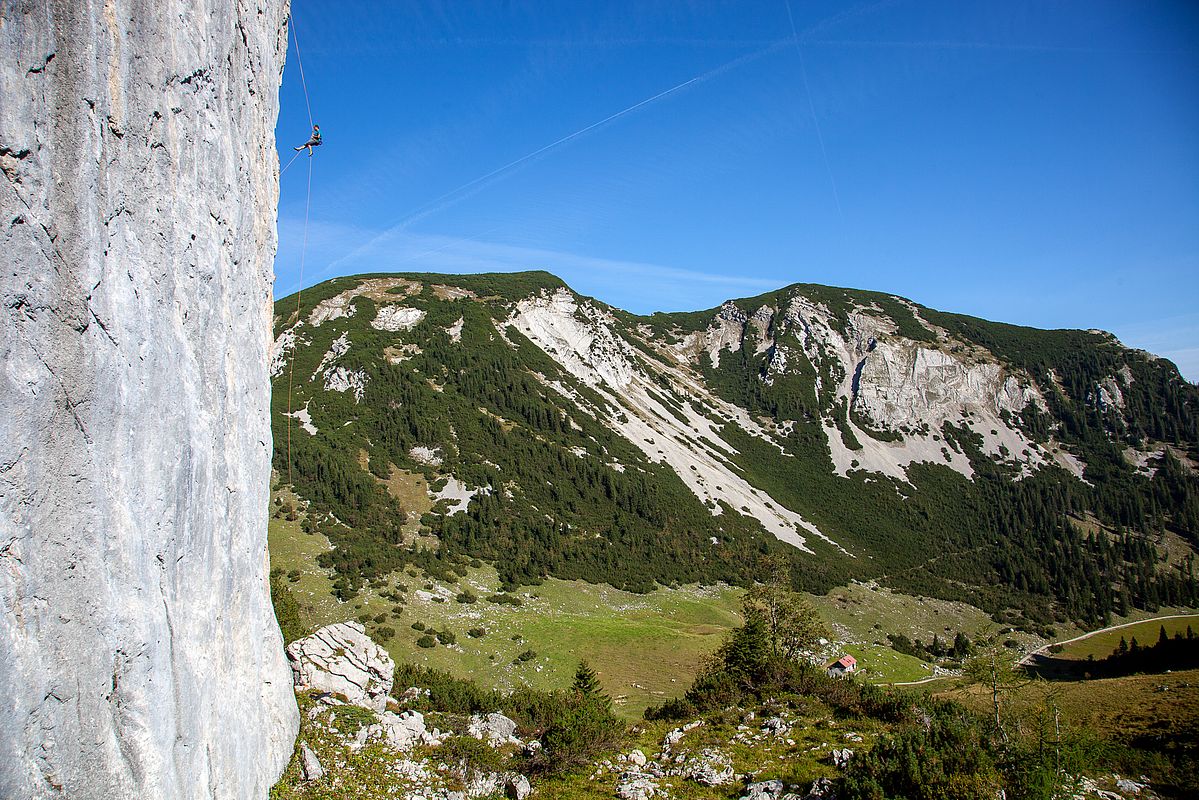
x=291, y=368
x=300, y=62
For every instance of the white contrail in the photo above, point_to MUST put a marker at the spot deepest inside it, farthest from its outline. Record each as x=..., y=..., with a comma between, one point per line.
x=469, y=188
x=464, y=191
x=803, y=70
x=933, y=44
x=432, y=205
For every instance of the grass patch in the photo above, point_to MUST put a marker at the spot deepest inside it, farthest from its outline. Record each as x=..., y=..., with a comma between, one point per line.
x=645, y=647
x=1101, y=645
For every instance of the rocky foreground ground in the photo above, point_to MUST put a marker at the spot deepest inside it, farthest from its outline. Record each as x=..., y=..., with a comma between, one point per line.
x=363, y=736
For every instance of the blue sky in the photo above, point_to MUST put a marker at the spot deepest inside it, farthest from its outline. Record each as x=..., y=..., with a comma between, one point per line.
x=1031, y=162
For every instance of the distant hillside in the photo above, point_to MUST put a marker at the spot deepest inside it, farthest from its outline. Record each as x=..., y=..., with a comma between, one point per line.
x=1041, y=475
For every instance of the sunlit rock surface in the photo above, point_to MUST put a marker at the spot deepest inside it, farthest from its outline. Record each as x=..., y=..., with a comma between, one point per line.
x=139, y=656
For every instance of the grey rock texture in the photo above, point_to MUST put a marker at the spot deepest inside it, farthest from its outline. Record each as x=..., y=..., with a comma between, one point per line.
x=310, y=765
x=764, y=790
x=494, y=728
x=343, y=660
x=139, y=656
x=517, y=787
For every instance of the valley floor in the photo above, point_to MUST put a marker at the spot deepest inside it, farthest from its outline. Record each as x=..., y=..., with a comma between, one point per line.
x=645, y=647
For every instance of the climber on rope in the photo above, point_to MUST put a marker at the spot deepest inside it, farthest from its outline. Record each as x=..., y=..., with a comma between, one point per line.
x=313, y=141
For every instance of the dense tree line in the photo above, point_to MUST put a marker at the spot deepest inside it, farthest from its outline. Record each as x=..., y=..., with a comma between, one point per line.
x=1164, y=655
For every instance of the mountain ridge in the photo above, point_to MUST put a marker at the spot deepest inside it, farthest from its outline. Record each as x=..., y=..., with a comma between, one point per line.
x=857, y=426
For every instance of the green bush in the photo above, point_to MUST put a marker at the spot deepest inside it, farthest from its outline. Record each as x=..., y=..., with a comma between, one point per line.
x=576, y=731
x=447, y=693
x=426, y=641
x=950, y=758
x=287, y=610
x=447, y=637
x=476, y=633
x=470, y=756
x=350, y=719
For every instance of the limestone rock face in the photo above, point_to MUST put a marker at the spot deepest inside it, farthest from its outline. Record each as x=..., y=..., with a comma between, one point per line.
x=342, y=659
x=494, y=728
x=139, y=656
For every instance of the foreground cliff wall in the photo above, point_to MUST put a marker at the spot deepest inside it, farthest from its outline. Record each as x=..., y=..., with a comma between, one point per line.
x=139, y=656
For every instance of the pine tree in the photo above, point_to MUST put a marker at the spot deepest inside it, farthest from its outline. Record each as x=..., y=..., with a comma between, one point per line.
x=587, y=682
x=961, y=646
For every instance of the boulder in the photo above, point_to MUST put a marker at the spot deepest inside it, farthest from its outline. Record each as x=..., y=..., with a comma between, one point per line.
x=764, y=790
x=517, y=787
x=494, y=728
x=636, y=786
x=637, y=758
x=841, y=757
x=342, y=659
x=1129, y=786
x=776, y=725
x=310, y=765
x=710, y=768
x=484, y=784
x=821, y=789
x=406, y=730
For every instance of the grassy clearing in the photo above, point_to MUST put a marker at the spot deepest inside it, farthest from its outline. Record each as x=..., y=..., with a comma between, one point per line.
x=867, y=612
x=1123, y=709
x=646, y=648
x=880, y=664
x=1102, y=644
x=863, y=614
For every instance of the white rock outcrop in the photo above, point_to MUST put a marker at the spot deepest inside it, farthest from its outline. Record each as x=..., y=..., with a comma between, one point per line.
x=396, y=318
x=494, y=728
x=139, y=655
x=899, y=392
x=342, y=659
x=406, y=730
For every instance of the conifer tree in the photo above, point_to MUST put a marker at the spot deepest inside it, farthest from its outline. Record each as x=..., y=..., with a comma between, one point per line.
x=587, y=682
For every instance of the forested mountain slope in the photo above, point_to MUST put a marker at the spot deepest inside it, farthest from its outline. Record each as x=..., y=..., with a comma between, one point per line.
x=1040, y=475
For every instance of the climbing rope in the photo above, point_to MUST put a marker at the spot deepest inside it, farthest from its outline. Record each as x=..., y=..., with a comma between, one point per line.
x=291, y=367
x=300, y=62
x=289, y=163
